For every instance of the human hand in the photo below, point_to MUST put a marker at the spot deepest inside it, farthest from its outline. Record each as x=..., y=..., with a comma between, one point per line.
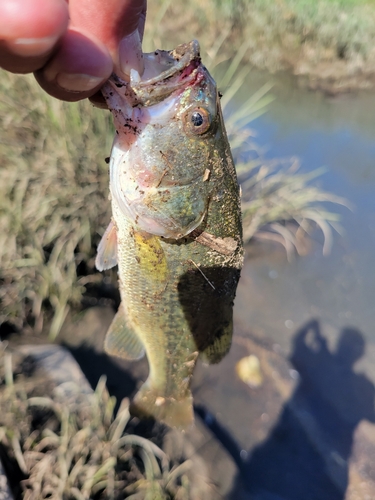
x=72, y=47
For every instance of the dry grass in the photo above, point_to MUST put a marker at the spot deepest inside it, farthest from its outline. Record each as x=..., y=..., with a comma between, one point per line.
x=53, y=200
x=78, y=449
x=276, y=195
x=329, y=42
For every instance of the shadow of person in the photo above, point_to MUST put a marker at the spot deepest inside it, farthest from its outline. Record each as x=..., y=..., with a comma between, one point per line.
x=306, y=454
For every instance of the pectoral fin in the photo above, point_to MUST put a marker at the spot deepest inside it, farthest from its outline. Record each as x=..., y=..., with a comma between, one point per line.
x=107, y=249
x=121, y=340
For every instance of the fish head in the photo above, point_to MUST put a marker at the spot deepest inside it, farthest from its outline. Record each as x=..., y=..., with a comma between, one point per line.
x=167, y=124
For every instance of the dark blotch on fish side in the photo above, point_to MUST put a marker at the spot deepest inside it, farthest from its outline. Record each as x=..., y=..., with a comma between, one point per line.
x=206, y=296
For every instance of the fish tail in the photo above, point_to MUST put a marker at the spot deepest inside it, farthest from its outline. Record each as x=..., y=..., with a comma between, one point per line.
x=177, y=413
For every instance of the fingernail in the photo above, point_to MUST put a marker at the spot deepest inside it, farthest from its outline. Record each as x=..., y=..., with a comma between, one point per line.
x=130, y=54
x=78, y=82
x=32, y=46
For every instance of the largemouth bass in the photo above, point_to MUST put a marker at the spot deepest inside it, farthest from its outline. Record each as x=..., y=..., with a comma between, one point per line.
x=176, y=227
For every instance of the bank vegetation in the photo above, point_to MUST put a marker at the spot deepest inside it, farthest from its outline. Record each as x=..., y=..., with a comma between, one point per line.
x=328, y=44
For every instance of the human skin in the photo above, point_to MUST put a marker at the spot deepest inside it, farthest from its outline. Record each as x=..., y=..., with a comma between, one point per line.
x=71, y=47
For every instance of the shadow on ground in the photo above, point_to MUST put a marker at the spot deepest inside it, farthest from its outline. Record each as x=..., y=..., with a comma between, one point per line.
x=306, y=453
x=93, y=364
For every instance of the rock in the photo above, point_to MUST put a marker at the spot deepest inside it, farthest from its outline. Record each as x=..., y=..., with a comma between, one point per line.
x=59, y=367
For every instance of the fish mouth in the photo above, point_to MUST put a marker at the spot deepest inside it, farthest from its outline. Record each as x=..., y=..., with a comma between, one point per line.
x=165, y=73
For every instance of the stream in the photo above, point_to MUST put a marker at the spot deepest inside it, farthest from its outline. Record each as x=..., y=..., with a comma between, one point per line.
x=308, y=431
x=339, y=289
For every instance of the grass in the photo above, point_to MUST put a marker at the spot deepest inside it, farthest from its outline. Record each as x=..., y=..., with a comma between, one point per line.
x=53, y=201
x=78, y=449
x=275, y=196
x=346, y=26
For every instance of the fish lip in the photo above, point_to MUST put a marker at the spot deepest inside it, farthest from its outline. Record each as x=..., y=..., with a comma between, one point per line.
x=185, y=63
x=184, y=55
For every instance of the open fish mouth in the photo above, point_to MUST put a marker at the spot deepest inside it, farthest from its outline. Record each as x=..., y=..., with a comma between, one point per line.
x=165, y=72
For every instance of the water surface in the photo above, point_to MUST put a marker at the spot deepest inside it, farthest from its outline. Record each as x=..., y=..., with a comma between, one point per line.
x=277, y=297
x=314, y=315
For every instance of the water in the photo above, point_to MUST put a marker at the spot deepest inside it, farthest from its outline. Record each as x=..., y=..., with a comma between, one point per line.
x=336, y=132
x=315, y=314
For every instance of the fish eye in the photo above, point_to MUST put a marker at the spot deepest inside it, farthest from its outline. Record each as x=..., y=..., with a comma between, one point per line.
x=198, y=120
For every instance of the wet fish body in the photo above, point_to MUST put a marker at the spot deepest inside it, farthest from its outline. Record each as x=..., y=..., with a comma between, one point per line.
x=176, y=227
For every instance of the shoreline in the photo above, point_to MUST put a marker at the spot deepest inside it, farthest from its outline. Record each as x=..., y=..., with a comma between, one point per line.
x=332, y=77
x=329, y=46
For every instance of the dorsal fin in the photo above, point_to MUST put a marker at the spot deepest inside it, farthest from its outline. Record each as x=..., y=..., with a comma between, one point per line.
x=121, y=340
x=107, y=249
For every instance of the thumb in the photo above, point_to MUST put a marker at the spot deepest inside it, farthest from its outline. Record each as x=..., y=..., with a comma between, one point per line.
x=118, y=24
